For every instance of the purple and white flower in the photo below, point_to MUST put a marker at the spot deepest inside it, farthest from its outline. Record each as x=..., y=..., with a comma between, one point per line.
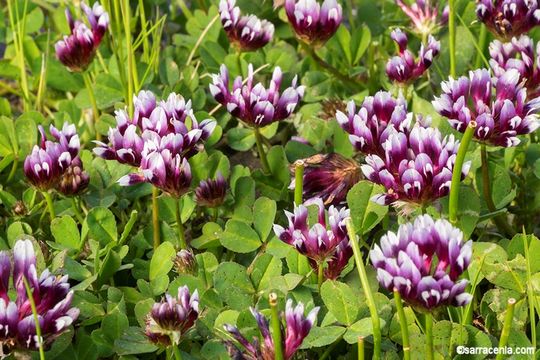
x=210, y=192
x=51, y=295
x=423, y=262
x=248, y=32
x=415, y=168
x=162, y=165
x=49, y=161
x=518, y=54
x=312, y=22
x=74, y=180
x=172, y=317
x=498, y=106
x=151, y=119
x=425, y=15
x=405, y=68
x=297, y=327
x=316, y=242
x=255, y=104
x=378, y=117
x=508, y=18
x=77, y=50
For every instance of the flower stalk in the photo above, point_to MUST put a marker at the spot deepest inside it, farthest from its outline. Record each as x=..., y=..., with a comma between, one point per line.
x=155, y=218
x=361, y=354
x=508, y=319
x=452, y=36
x=456, y=173
x=429, y=336
x=367, y=290
x=262, y=155
x=403, y=325
x=50, y=205
x=30, y=296
x=298, y=181
x=92, y=97
x=276, y=327
x=181, y=231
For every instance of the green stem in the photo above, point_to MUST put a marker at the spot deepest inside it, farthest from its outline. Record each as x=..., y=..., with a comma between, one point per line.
x=50, y=205
x=92, y=97
x=456, y=174
x=298, y=181
x=155, y=218
x=30, y=296
x=75, y=208
x=508, y=318
x=175, y=350
x=276, y=328
x=499, y=220
x=452, y=36
x=429, y=336
x=239, y=62
x=264, y=161
x=367, y=290
x=403, y=325
x=181, y=232
x=126, y=13
x=361, y=354
x=320, y=274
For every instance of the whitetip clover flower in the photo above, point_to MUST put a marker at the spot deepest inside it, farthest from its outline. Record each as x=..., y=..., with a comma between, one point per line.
x=518, y=54
x=162, y=165
x=172, y=317
x=415, y=168
x=499, y=106
x=297, y=327
x=50, y=164
x=312, y=22
x=318, y=243
x=508, y=18
x=52, y=298
x=404, y=68
x=254, y=104
x=378, y=117
x=423, y=262
x=247, y=33
x=211, y=192
x=77, y=50
x=153, y=119
x=425, y=15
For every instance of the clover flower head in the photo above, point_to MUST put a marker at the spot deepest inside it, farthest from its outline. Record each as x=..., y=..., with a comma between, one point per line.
x=314, y=23
x=52, y=299
x=77, y=50
x=508, y=18
x=172, y=317
x=248, y=32
x=404, y=68
x=498, y=106
x=255, y=104
x=423, y=262
x=378, y=117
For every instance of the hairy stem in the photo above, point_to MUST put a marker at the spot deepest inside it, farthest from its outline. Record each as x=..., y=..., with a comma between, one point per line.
x=452, y=36
x=429, y=336
x=50, y=205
